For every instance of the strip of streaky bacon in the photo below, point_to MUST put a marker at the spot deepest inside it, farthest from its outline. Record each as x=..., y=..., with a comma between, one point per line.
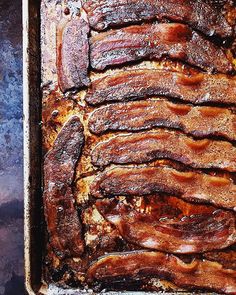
x=154, y=42
x=198, y=14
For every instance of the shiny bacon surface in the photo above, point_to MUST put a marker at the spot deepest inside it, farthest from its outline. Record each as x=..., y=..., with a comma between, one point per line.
x=190, y=186
x=198, y=14
x=136, y=265
x=143, y=115
x=190, y=231
x=155, y=41
x=132, y=85
x=139, y=133
x=148, y=146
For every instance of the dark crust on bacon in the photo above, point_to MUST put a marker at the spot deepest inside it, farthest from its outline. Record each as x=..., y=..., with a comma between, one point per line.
x=226, y=257
x=138, y=84
x=200, y=15
x=148, y=227
x=149, y=146
x=73, y=54
x=63, y=224
x=191, y=186
x=142, y=115
x=176, y=41
x=139, y=265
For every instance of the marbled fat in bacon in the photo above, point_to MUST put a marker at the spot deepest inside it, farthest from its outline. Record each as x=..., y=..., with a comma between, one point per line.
x=147, y=114
x=191, y=186
x=137, y=265
x=138, y=84
x=63, y=224
x=156, y=41
x=149, y=146
x=198, y=14
x=150, y=221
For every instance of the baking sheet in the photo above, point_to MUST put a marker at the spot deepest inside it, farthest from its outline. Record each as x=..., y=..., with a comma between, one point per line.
x=34, y=222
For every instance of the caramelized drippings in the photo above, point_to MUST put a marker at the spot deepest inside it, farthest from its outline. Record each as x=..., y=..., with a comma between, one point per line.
x=218, y=181
x=179, y=109
x=197, y=145
x=183, y=176
x=194, y=80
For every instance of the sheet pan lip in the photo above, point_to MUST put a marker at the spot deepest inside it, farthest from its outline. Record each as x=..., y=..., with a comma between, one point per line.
x=27, y=183
x=27, y=237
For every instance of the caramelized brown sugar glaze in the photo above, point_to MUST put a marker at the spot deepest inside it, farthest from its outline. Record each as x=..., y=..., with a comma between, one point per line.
x=209, y=118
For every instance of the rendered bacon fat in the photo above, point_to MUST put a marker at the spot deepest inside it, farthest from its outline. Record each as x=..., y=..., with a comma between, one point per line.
x=199, y=14
x=149, y=180
x=154, y=42
x=192, y=228
x=142, y=115
x=73, y=54
x=137, y=84
x=63, y=224
x=140, y=264
x=149, y=146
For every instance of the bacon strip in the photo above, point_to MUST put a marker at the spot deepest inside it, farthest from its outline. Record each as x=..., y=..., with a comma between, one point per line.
x=149, y=146
x=200, y=15
x=142, y=115
x=191, y=186
x=154, y=42
x=137, y=84
x=161, y=224
x=225, y=257
x=73, y=54
x=63, y=224
x=140, y=264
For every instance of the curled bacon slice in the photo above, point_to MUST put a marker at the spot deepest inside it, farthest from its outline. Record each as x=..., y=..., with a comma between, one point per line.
x=190, y=186
x=199, y=14
x=138, y=265
x=137, y=84
x=142, y=115
x=163, y=224
x=73, y=54
x=63, y=224
x=149, y=146
x=154, y=42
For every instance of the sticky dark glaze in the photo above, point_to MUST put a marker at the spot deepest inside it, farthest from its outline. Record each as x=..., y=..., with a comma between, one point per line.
x=138, y=265
x=144, y=115
x=149, y=146
x=138, y=84
x=151, y=224
x=176, y=41
x=191, y=186
x=63, y=224
x=73, y=54
x=198, y=14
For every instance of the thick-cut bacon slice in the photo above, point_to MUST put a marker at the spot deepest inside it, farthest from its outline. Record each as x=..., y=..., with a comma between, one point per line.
x=62, y=219
x=163, y=224
x=199, y=14
x=73, y=54
x=137, y=84
x=140, y=264
x=141, y=115
x=149, y=146
x=153, y=42
x=149, y=180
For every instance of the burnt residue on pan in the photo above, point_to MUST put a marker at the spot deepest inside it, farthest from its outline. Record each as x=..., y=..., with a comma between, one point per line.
x=117, y=254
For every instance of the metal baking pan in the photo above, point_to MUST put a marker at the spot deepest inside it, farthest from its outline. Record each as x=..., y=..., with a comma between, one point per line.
x=33, y=213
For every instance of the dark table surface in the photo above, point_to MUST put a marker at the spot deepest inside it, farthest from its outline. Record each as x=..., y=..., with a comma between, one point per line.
x=11, y=150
